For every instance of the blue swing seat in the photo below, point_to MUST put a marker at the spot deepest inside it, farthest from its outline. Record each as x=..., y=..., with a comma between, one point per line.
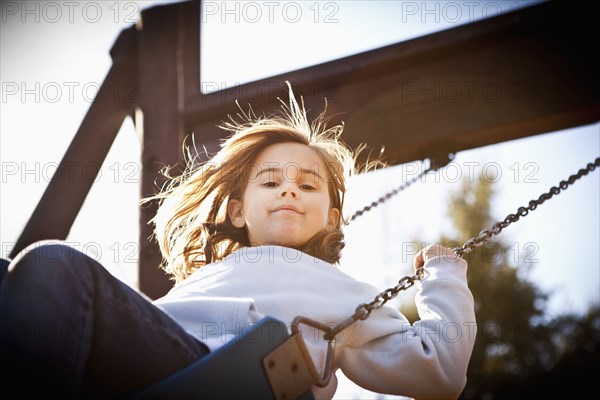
x=235, y=371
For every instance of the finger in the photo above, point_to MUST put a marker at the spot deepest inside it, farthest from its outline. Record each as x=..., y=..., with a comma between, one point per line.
x=419, y=261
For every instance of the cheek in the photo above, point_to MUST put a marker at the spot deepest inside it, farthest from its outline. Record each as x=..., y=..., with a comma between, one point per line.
x=323, y=210
x=256, y=210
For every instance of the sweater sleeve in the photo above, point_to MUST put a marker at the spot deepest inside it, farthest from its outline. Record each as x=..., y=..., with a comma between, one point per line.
x=427, y=359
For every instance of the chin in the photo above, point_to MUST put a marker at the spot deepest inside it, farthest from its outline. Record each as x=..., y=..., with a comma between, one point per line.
x=289, y=242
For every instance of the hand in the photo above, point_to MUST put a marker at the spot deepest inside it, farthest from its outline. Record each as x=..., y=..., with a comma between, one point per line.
x=431, y=251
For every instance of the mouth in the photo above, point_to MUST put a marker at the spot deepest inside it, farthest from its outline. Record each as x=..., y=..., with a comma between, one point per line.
x=287, y=208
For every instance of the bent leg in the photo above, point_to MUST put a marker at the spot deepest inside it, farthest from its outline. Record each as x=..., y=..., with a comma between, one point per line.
x=77, y=329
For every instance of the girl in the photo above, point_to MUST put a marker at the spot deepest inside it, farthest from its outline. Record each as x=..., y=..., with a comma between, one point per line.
x=255, y=231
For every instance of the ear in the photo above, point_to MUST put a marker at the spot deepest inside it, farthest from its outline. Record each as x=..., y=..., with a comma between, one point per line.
x=234, y=211
x=333, y=219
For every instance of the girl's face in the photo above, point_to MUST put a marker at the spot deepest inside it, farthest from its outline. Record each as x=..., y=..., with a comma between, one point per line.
x=286, y=200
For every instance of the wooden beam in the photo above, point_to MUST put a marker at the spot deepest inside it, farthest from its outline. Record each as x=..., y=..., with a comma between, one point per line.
x=57, y=209
x=499, y=79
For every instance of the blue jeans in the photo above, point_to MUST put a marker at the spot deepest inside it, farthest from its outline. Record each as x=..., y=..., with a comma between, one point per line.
x=69, y=327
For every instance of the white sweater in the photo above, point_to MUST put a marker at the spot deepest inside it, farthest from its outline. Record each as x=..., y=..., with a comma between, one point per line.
x=384, y=353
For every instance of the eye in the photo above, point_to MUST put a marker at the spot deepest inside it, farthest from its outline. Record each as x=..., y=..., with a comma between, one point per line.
x=270, y=184
x=307, y=187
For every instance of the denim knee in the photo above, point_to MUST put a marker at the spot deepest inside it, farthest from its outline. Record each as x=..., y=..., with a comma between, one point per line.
x=45, y=261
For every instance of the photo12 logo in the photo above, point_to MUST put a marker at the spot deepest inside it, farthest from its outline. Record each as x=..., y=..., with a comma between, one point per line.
x=52, y=12
x=37, y=172
x=270, y=11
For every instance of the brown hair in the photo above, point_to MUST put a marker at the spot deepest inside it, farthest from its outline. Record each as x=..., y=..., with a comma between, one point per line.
x=192, y=227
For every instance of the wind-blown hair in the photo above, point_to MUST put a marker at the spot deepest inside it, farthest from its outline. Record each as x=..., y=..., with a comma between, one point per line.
x=192, y=226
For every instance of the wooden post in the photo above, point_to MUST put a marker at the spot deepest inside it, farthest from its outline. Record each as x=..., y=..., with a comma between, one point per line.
x=162, y=39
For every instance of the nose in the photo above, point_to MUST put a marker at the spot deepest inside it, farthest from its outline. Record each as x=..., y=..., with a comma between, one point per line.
x=288, y=190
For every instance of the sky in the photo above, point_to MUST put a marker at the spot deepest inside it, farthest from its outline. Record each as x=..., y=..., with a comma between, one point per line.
x=55, y=55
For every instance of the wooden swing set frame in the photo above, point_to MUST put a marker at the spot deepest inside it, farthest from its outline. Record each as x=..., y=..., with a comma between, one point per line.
x=383, y=96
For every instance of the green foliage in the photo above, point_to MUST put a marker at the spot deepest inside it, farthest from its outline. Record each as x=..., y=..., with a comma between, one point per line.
x=518, y=350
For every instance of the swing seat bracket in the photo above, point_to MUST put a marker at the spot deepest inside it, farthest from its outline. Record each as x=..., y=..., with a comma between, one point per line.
x=287, y=371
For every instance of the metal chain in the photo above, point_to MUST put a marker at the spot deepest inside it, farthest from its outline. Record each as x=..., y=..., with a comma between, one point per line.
x=388, y=195
x=487, y=234
x=363, y=311
x=434, y=164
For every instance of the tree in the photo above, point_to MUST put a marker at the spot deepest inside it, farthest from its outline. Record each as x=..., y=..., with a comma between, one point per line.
x=517, y=350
